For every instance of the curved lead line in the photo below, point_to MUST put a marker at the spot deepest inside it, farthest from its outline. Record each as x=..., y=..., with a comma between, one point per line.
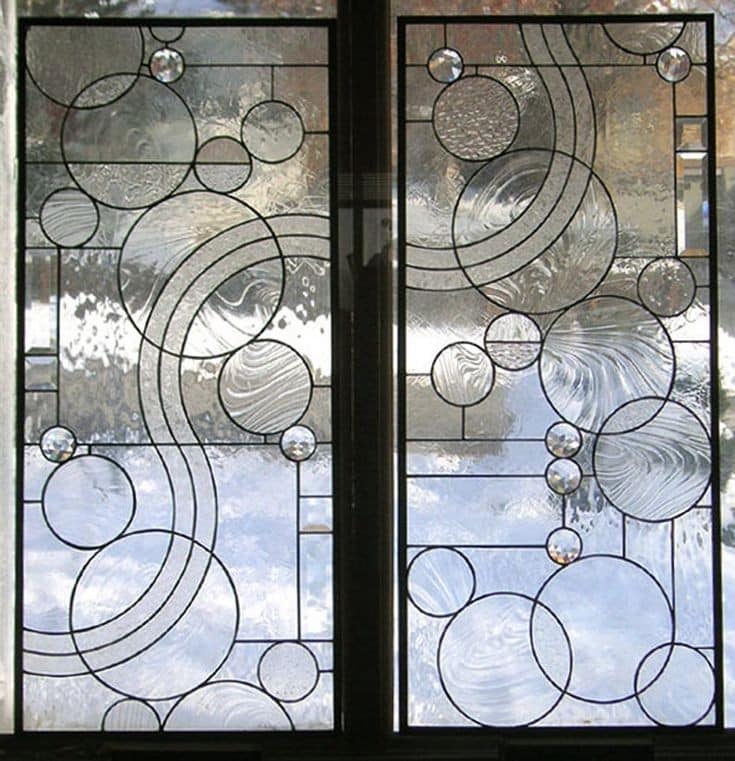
x=183, y=571
x=53, y=664
x=557, y=183
x=488, y=261
x=109, y=655
x=583, y=108
x=189, y=300
x=44, y=648
x=166, y=601
x=120, y=645
x=534, y=36
x=104, y=640
x=181, y=278
x=430, y=259
x=299, y=224
x=47, y=643
x=165, y=415
x=526, y=224
x=584, y=114
x=489, y=270
x=558, y=45
x=433, y=280
x=109, y=645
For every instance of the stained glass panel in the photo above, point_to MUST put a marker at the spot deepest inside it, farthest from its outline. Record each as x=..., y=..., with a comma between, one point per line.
x=557, y=534
x=177, y=515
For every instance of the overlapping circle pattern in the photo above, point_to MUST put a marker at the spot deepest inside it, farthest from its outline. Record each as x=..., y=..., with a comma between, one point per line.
x=535, y=232
x=154, y=612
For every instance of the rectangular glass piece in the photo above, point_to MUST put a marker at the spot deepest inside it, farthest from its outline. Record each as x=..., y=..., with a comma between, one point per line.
x=692, y=198
x=177, y=323
x=41, y=373
x=555, y=555
x=41, y=301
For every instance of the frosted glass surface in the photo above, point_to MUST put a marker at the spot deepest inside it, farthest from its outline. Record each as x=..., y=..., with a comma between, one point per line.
x=555, y=377
x=177, y=554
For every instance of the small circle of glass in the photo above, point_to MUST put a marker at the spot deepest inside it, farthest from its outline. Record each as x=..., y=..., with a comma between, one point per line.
x=563, y=476
x=167, y=65
x=445, y=65
x=673, y=64
x=564, y=545
x=563, y=439
x=298, y=443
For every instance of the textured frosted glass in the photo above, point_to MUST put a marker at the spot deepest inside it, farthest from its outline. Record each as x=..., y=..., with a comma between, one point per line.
x=555, y=380
x=177, y=547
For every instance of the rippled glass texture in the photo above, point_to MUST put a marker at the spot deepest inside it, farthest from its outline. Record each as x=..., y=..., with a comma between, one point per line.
x=177, y=533
x=555, y=379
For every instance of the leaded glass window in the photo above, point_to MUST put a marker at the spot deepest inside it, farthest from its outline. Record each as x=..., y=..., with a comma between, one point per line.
x=189, y=557
x=177, y=459
x=557, y=559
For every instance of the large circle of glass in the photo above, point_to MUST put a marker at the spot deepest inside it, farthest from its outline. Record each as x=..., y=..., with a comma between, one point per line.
x=614, y=612
x=657, y=470
x=88, y=501
x=600, y=354
x=265, y=387
x=441, y=581
x=488, y=660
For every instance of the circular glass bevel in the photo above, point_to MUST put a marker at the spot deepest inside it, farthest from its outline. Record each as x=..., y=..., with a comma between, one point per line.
x=298, y=443
x=563, y=439
x=564, y=545
x=563, y=476
x=58, y=444
x=673, y=65
x=445, y=65
x=167, y=65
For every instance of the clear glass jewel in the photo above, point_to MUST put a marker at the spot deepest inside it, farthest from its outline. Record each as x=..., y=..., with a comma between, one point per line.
x=564, y=545
x=563, y=476
x=445, y=65
x=563, y=440
x=167, y=65
x=673, y=64
x=298, y=443
x=58, y=444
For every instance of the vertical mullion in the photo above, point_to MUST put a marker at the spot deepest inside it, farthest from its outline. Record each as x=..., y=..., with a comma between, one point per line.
x=367, y=563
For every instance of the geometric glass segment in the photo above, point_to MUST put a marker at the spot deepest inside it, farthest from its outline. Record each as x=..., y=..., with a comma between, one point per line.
x=177, y=500
x=557, y=553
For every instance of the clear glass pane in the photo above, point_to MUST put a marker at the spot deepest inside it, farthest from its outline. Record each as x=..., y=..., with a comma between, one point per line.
x=555, y=381
x=177, y=524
